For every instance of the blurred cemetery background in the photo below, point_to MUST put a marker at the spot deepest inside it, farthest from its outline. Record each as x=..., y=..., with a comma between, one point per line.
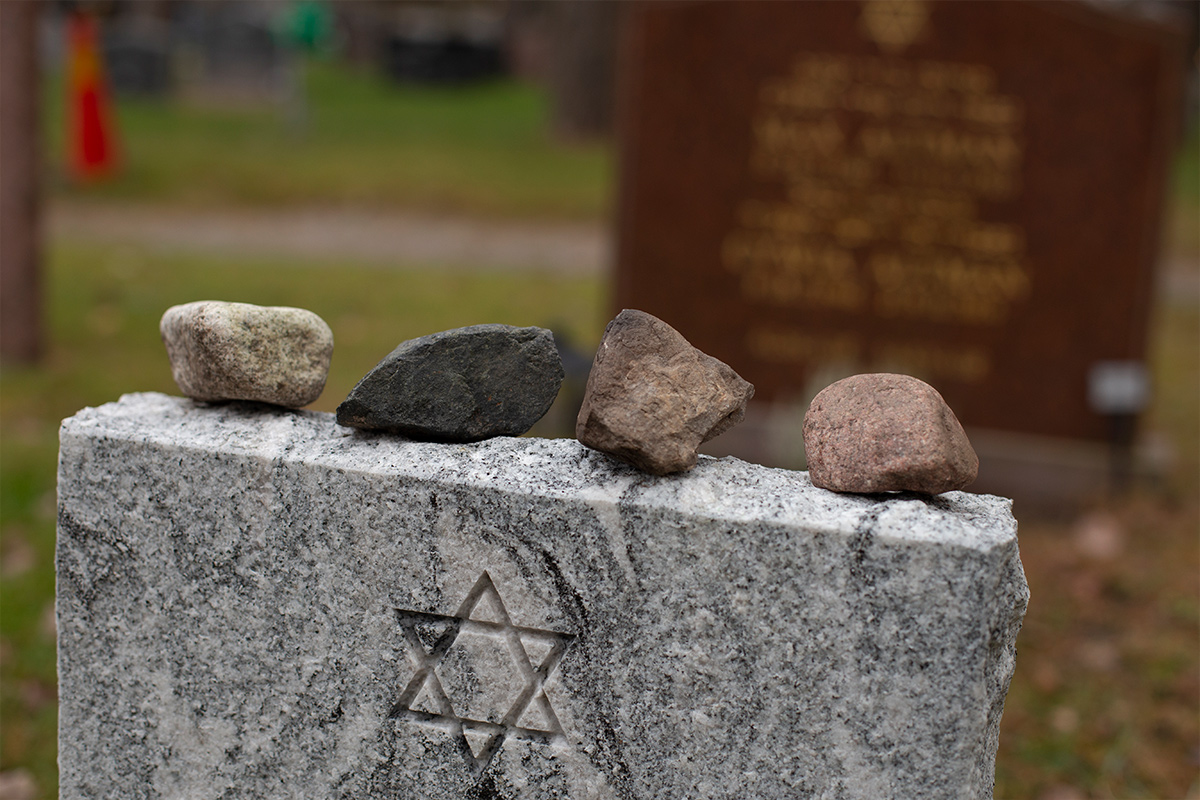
x=402, y=168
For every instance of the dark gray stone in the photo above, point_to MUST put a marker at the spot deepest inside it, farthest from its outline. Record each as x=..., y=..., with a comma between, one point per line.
x=885, y=433
x=462, y=385
x=652, y=398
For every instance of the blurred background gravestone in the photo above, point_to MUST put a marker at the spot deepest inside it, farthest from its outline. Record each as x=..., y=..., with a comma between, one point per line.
x=966, y=192
x=447, y=44
x=237, y=53
x=137, y=50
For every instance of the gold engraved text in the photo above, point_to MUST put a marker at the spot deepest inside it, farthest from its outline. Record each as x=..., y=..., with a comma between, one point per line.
x=879, y=175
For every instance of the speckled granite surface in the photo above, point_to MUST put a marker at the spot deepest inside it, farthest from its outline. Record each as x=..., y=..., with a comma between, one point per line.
x=257, y=603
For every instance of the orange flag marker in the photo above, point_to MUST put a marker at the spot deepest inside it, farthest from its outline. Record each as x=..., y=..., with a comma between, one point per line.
x=91, y=137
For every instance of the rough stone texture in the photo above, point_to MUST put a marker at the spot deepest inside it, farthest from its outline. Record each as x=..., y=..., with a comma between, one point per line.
x=238, y=351
x=247, y=599
x=652, y=398
x=886, y=433
x=461, y=385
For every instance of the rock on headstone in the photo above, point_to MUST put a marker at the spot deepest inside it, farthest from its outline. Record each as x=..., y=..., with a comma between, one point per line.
x=461, y=385
x=652, y=398
x=260, y=601
x=886, y=433
x=238, y=351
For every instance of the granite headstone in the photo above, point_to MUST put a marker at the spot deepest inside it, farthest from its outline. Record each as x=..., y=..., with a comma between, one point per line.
x=965, y=192
x=257, y=603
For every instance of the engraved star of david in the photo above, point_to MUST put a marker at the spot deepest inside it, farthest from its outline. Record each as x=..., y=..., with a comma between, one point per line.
x=430, y=637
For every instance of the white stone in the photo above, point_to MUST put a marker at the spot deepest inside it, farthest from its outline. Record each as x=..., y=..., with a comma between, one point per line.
x=237, y=351
x=247, y=598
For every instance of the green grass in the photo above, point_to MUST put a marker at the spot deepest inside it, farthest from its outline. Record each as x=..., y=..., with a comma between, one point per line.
x=105, y=303
x=482, y=150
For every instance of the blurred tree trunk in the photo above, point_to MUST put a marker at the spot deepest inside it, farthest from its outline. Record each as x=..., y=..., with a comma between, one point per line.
x=363, y=26
x=20, y=184
x=583, y=66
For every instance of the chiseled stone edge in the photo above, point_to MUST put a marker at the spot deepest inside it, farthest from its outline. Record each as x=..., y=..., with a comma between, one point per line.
x=718, y=486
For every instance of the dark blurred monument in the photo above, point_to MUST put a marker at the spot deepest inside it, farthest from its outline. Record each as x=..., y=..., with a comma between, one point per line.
x=443, y=43
x=966, y=192
x=137, y=47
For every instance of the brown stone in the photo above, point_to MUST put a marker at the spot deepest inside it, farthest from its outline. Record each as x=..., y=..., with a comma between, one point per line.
x=886, y=433
x=652, y=398
x=965, y=192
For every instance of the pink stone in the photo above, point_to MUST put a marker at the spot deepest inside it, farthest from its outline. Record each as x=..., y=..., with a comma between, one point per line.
x=886, y=433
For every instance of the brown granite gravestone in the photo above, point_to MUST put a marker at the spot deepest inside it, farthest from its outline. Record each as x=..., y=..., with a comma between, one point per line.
x=965, y=192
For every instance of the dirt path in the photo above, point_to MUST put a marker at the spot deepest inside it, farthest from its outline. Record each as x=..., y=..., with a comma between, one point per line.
x=398, y=238
x=361, y=236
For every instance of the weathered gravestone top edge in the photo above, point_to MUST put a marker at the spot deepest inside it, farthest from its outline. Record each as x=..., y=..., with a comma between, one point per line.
x=723, y=489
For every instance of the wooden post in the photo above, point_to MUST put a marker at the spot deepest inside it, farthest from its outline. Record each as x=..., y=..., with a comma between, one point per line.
x=20, y=184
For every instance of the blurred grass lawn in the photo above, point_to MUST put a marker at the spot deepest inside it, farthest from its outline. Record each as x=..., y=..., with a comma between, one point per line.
x=1104, y=699
x=484, y=150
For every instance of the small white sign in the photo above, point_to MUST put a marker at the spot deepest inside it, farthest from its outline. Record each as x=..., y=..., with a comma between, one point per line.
x=1118, y=387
